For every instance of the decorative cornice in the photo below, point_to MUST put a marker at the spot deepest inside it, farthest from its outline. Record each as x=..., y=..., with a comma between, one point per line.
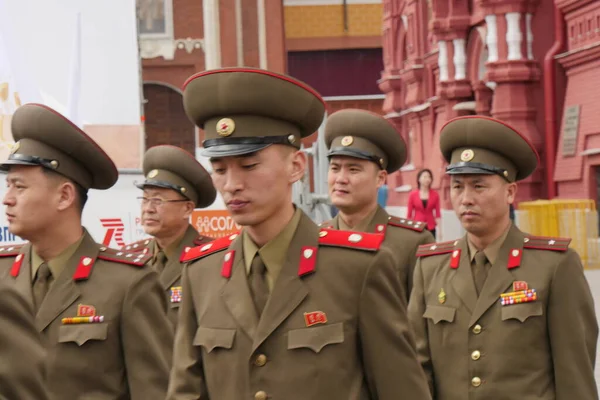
x=152, y=48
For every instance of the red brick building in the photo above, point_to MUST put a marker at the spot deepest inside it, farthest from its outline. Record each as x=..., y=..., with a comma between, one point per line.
x=334, y=46
x=527, y=62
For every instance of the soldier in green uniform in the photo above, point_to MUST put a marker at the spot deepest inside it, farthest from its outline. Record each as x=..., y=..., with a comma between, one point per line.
x=175, y=184
x=22, y=370
x=363, y=149
x=102, y=313
x=500, y=314
x=283, y=310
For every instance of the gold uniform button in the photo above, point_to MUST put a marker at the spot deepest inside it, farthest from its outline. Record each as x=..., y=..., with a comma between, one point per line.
x=476, y=381
x=260, y=395
x=477, y=329
x=261, y=360
x=476, y=355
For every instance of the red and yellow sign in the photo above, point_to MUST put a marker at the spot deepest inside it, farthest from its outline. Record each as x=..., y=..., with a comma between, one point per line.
x=214, y=223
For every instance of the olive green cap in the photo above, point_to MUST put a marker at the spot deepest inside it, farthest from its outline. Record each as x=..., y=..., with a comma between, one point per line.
x=366, y=135
x=172, y=167
x=244, y=110
x=45, y=138
x=483, y=145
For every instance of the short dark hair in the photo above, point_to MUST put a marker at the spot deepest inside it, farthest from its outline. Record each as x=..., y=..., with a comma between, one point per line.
x=82, y=193
x=421, y=172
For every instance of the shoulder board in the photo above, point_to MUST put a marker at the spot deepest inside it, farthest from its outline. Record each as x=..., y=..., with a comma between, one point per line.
x=407, y=224
x=546, y=243
x=11, y=250
x=326, y=224
x=198, y=252
x=200, y=240
x=136, y=246
x=433, y=249
x=353, y=240
x=124, y=257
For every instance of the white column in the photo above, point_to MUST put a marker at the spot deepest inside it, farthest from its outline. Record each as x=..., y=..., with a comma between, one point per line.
x=239, y=33
x=528, y=17
x=262, y=34
x=212, y=35
x=443, y=60
x=514, y=36
x=492, y=37
x=460, y=59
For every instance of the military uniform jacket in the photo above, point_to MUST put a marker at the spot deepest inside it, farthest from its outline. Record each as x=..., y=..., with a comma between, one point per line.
x=475, y=348
x=22, y=372
x=128, y=355
x=402, y=237
x=334, y=327
x=170, y=277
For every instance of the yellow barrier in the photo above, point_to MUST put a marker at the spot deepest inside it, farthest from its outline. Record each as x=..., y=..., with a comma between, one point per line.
x=576, y=219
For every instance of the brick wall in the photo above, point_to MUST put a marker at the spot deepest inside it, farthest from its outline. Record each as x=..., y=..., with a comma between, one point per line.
x=328, y=20
x=166, y=122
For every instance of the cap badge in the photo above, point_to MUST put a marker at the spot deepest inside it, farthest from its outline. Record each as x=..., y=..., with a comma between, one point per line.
x=347, y=140
x=225, y=126
x=467, y=155
x=15, y=147
x=152, y=173
x=291, y=139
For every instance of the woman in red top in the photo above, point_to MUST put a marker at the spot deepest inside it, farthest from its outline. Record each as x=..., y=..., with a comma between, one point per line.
x=424, y=203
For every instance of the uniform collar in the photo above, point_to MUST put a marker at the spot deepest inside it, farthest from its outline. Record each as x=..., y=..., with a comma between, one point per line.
x=58, y=263
x=171, y=249
x=273, y=253
x=362, y=226
x=491, y=251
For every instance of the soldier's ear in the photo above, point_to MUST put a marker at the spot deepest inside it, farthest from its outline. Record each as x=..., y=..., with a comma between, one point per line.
x=511, y=192
x=298, y=165
x=67, y=195
x=381, y=177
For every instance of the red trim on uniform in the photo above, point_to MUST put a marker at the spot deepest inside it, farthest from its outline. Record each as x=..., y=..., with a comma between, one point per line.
x=560, y=247
x=396, y=222
x=256, y=71
x=184, y=252
x=16, y=267
x=228, y=264
x=367, y=241
x=208, y=248
x=117, y=259
x=455, y=260
x=308, y=261
x=514, y=260
x=83, y=271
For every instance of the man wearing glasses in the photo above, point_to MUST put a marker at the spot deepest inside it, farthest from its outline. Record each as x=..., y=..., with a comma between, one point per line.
x=175, y=184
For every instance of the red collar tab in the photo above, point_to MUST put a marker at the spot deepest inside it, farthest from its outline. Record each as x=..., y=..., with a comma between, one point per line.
x=308, y=261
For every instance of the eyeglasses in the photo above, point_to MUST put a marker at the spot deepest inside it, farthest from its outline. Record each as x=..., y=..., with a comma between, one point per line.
x=156, y=201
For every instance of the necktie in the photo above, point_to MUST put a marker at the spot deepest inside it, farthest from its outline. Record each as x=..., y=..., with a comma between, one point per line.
x=480, y=271
x=41, y=284
x=258, y=284
x=161, y=261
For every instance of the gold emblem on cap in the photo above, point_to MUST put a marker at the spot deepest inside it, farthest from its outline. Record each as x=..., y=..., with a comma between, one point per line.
x=15, y=147
x=347, y=140
x=467, y=155
x=225, y=126
x=152, y=173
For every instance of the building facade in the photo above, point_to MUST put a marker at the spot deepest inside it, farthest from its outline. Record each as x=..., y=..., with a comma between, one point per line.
x=533, y=64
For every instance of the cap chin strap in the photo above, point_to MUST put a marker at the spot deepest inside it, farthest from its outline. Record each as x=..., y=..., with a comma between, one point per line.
x=44, y=162
x=346, y=151
x=485, y=167
x=284, y=139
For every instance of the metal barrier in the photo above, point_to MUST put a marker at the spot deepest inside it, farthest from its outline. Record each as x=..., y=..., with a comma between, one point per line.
x=575, y=219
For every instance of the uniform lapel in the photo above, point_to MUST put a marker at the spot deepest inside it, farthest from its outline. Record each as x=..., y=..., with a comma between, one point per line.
x=289, y=290
x=172, y=271
x=462, y=281
x=23, y=280
x=499, y=277
x=64, y=290
x=236, y=293
x=381, y=217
